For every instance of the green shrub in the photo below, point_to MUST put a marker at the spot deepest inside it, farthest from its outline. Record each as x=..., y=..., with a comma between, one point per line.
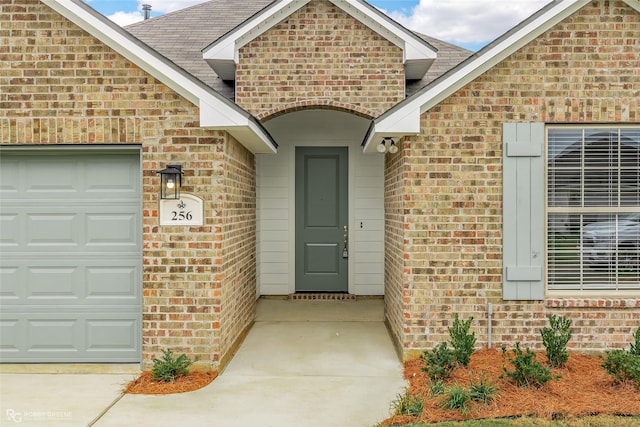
x=407, y=404
x=555, y=339
x=461, y=340
x=482, y=391
x=436, y=388
x=439, y=362
x=169, y=368
x=635, y=346
x=528, y=372
x=623, y=366
x=456, y=398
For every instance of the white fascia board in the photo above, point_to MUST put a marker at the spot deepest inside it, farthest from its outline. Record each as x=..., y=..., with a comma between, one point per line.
x=634, y=4
x=212, y=105
x=252, y=139
x=226, y=48
x=406, y=114
x=137, y=53
x=240, y=124
x=407, y=125
x=413, y=47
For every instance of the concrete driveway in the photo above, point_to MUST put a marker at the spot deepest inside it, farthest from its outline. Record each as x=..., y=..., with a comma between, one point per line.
x=303, y=364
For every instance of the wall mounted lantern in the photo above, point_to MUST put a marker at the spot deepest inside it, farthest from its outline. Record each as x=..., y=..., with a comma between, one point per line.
x=170, y=182
x=382, y=147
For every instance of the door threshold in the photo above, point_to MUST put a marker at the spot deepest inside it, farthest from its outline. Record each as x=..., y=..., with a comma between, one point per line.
x=322, y=296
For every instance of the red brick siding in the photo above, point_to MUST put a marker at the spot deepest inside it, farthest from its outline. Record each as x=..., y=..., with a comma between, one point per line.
x=239, y=253
x=319, y=55
x=396, y=286
x=584, y=70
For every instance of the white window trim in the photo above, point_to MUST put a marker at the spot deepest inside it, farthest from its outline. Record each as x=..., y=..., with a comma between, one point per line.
x=580, y=293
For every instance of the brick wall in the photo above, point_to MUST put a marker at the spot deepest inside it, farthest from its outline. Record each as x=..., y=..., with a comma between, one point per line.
x=319, y=56
x=584, y=70
x=396, y=285
x=59, y=85
x=238, y=268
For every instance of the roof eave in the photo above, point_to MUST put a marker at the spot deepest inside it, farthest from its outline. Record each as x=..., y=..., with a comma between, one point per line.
x=222, y=54
x=230, y=116
x=404, y=118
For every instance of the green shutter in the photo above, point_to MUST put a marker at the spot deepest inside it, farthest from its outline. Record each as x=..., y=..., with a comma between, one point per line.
x=523, y=211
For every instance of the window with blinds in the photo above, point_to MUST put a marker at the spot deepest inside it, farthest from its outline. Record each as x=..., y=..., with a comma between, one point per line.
x=593, y=208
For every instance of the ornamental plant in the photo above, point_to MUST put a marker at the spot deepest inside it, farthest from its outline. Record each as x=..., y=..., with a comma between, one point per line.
x=169, y=367
x=527, y=372
x=407, y=404
x=623, y=366
x=461, y=340
x=635, y=346
x=555, y=339
x=439, y=362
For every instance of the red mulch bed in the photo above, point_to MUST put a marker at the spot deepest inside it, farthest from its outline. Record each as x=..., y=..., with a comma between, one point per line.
x=584, y=389
x=145, y=384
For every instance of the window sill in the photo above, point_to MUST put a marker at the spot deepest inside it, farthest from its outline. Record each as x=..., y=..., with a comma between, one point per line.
x=631, y=301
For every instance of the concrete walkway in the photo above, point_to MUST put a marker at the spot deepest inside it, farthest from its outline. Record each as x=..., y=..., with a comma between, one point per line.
x=303, y=364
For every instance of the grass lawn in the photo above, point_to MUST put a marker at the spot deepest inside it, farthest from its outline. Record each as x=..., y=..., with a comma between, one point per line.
x=597, y=421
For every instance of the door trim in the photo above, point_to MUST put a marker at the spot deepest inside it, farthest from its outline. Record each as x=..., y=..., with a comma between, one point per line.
x=292, y=207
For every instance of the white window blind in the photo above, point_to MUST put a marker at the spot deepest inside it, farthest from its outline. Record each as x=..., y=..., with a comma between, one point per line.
x=593, y=208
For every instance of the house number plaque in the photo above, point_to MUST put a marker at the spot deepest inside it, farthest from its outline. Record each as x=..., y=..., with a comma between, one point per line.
x=188, y=210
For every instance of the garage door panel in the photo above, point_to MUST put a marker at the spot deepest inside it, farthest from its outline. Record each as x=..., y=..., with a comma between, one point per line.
x=70, y=255
x=9, y=178
x=109, y=283
x=43, y=179
x=10, y=288
x=71, y=228
x=111, y=335
x=109, y=229
x=97, y=337
x=53, y=283
x=52, y=229
x=71, y=175
x=12, y=333
x=65, y=280
x=52, y=335
x=9, y=230
x=115, y=179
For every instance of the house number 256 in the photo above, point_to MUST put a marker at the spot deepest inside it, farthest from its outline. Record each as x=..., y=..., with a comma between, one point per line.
x=181, y=216
x=187, y=211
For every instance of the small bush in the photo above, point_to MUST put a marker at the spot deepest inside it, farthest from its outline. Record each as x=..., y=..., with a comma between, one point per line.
x=555, y=339
x=439, y=362
x=528, y=372
x=169, y=368
x=407, y=404
x=623, y=366
x=462, y=341
x=635, y=346
x=436, y=388
x=482, y=391
x=456, y=398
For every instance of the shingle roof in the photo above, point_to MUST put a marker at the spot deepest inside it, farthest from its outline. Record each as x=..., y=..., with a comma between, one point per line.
x=180, y=36
x=449, y=56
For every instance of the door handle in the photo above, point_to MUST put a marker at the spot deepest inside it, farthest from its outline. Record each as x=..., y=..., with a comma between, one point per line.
x=345, y=249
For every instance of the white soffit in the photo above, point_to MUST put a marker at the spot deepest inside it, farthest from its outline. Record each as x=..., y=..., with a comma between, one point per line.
x=222, y=55
x=404, y=118
x=216, y=111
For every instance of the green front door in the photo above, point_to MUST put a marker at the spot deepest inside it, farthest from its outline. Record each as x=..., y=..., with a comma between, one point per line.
x=322, y=213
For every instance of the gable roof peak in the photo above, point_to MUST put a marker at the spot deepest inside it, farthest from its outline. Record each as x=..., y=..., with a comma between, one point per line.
x=222, y=54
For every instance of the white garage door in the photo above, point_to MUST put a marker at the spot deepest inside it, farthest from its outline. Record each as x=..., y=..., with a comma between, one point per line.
x=70, y=255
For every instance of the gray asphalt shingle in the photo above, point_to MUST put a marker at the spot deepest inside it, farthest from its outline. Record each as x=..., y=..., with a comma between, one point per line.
x=180, y=36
